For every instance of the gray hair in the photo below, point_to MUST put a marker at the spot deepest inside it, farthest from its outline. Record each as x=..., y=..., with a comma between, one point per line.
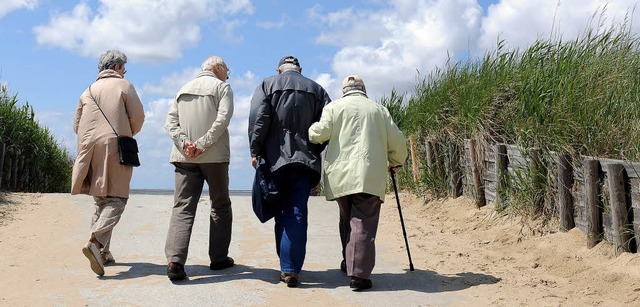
x=110, y=58
x=288, y=66
x=211, y=62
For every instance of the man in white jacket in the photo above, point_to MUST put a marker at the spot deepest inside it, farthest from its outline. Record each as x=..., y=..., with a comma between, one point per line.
x=197, y=123
x=364, y=143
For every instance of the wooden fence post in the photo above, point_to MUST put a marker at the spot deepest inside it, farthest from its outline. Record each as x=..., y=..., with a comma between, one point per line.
x=502, y=169
x=14, y=172
x=477, y=176
x=538, y=181
x=565, y=199
x=2, y=151
x=454, y=170
x=622, y=233
x=593, y=202
x=20, y=174
x=429, y=153
x=414, y=159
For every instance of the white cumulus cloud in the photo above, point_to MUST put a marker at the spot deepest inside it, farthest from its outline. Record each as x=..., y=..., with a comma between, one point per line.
x=393, y=45
x=389, y=46
x=520, y=23
x=8, y=6
x=150, y=30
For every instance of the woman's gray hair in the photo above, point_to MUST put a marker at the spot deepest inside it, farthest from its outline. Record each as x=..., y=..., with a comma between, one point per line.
x=211, y=62
x=110, y=58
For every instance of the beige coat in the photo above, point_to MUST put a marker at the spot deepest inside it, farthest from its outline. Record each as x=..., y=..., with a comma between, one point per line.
x=97, y=170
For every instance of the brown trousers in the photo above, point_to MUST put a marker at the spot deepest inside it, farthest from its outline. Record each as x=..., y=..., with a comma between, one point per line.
x=359, y=216
x=189, y=182
x=106, y=216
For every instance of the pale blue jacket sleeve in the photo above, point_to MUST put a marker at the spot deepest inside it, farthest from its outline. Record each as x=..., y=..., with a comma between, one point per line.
x=396, y=143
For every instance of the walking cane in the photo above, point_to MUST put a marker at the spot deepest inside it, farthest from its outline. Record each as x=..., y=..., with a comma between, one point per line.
x=404, y=232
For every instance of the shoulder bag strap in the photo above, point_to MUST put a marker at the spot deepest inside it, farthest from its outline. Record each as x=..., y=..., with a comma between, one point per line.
x=105, y=117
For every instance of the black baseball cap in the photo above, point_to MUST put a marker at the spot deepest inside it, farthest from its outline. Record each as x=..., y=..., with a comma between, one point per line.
x=289, y=60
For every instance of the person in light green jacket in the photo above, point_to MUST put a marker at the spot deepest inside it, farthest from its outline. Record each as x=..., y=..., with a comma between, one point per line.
x=364, y=143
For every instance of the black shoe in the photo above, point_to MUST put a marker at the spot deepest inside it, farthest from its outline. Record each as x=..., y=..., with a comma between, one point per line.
x=175, y=271
x=358, y=284
x=343, y=266
x=219, y=265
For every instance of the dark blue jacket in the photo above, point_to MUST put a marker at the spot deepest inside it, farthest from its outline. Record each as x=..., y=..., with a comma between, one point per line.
x=283, y=108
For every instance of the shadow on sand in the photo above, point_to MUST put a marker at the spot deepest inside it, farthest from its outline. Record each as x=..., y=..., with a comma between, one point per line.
x=419, y=280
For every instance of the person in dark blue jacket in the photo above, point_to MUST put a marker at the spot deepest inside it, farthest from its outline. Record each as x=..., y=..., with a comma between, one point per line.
x=283, y=107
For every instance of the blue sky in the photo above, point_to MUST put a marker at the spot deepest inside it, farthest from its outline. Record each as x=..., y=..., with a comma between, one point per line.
x=49, y=51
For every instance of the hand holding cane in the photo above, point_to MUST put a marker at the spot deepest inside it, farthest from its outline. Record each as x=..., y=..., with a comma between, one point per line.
x=404, y=232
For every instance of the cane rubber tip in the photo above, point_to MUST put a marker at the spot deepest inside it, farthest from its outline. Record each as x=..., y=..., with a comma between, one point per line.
x=411, y=268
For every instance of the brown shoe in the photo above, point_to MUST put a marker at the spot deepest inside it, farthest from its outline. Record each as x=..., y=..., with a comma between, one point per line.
x=290, y=279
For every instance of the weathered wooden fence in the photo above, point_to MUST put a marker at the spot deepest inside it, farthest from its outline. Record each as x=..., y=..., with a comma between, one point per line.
x=19, y=174
x=599, y=196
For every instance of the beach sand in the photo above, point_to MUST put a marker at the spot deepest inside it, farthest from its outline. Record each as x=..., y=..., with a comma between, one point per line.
x=462, y=256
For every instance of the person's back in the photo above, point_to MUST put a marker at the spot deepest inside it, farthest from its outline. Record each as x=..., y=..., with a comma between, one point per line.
x=358, y=142
x=197, y=123
x=205, y=108
x=294, y=102
x=283, y=107
x=108, y=108
x=363, y=143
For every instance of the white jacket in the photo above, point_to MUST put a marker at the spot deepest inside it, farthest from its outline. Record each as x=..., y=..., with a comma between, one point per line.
x=201, y=113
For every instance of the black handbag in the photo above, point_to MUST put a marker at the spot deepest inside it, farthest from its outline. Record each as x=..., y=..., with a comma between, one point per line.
x=128, y=150
x=127, y=146
x=265, y=195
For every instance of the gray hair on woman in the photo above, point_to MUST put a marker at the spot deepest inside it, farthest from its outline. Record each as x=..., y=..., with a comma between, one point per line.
x=211, y=62
x=110, y=58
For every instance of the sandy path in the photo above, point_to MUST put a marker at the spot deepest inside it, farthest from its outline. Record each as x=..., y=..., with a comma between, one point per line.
x=462, y=256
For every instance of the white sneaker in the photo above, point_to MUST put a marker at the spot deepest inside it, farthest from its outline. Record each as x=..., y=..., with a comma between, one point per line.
x=92, y=253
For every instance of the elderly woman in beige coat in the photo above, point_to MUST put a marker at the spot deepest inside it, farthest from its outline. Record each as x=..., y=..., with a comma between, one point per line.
x=109, y=101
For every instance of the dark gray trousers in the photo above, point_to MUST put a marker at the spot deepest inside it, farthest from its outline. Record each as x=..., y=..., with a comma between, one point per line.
x=359, y=216
x=189, y=182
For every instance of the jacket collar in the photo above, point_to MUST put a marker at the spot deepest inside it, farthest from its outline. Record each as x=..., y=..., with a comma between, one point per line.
x=207, y=73
x=355, y=93
x=108, y=73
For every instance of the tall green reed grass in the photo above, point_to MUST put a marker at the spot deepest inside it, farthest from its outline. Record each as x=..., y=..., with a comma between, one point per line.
x=45, y=165
x=577, y=97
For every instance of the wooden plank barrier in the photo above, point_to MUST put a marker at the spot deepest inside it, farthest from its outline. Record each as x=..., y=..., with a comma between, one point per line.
x=455, y=173
x=2, y=151
x=622, y=232
x=579, y=188
x=565, y=200
x=593, y=202
x=502, y=170
x=477, y=174
x=414, y=160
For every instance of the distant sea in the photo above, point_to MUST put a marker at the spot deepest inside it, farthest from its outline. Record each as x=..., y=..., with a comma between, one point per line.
x=170, y=192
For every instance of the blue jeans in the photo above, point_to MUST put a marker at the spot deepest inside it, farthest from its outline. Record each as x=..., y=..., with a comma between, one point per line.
x=291, y=223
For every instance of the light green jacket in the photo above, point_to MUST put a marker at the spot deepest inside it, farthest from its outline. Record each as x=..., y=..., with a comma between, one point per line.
x=363, y=142
x=201, y=112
